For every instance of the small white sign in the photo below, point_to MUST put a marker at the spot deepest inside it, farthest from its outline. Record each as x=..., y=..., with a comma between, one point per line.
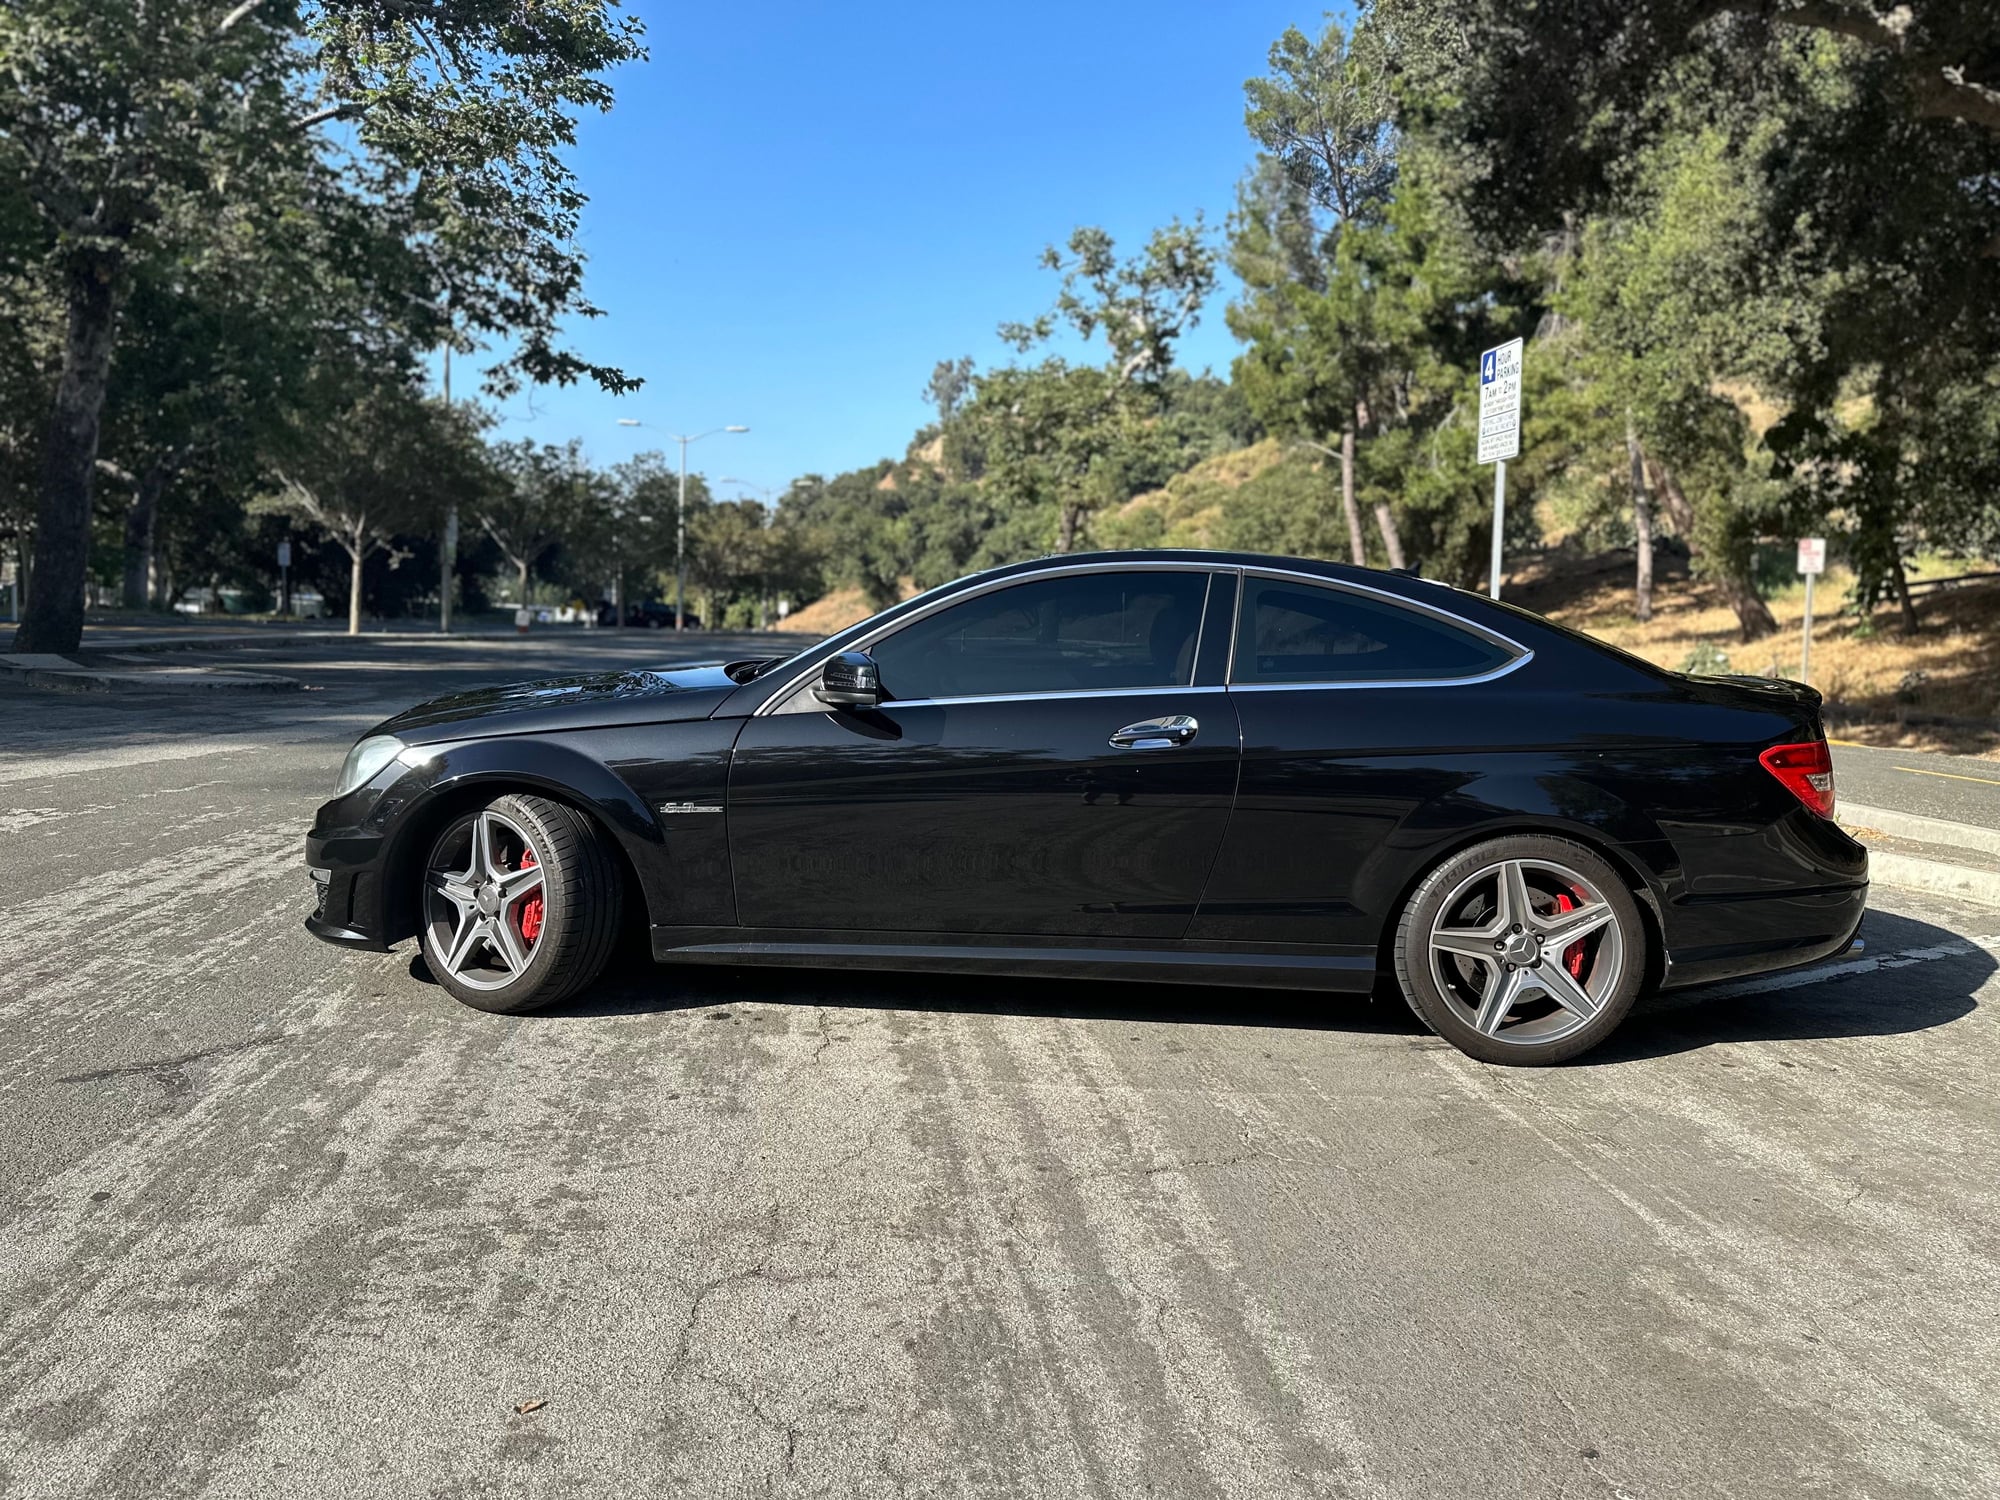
x=1500, y=403
x=284, y=554
x=1812, y=555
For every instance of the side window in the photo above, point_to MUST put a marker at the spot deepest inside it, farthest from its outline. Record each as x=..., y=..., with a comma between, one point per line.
x=1295, y=632
x=1077, y=632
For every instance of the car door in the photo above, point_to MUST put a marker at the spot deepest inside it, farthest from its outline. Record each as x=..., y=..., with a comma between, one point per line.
x=1356, y=708
x=1047, y=762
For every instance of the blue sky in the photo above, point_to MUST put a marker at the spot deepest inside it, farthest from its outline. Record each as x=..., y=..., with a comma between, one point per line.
x=798, y=208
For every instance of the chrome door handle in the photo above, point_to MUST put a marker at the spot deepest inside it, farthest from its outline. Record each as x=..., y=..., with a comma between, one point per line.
x=1157, y=734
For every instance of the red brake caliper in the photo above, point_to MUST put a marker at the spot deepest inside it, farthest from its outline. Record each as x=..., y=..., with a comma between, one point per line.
x=1572, y=956
x=529, y=914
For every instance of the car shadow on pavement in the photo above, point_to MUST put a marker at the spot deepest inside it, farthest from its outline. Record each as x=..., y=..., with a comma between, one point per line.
x=673, y=988
x=1914, y=976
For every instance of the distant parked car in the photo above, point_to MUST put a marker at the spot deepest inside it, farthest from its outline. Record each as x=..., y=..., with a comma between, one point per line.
x=653, y=615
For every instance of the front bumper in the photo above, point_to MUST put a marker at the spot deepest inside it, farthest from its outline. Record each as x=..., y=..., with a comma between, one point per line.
x=346, y=870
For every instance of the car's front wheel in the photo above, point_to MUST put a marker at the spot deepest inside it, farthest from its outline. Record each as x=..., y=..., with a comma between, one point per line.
x=521, y=902
x=1525, y=950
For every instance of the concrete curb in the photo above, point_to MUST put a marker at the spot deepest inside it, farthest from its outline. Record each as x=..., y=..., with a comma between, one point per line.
x=1934, y=876
x=1940, y=831
x=76, y=679
x=245, y=641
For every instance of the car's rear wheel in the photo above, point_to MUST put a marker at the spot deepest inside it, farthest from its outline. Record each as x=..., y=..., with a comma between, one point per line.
x=521, y=901
x=1524, y=951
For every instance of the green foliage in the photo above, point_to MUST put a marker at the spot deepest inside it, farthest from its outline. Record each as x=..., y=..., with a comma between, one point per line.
x=182, y=240
x=1707, y=660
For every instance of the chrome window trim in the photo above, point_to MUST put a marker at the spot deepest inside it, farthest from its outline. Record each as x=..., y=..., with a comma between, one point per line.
x=861, y=643
x=1521, y=657
x=1054, y=697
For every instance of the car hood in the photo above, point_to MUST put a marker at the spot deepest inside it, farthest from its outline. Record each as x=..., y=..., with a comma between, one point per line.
x=587, y=701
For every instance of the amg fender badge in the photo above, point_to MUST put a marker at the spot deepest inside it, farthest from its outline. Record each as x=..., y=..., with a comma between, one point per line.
x=690, y=807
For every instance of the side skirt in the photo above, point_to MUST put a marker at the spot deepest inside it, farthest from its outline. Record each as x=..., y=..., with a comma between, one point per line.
x=1262, y=965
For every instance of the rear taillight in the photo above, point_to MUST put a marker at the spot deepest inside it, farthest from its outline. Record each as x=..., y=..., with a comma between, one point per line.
x=1806, y=771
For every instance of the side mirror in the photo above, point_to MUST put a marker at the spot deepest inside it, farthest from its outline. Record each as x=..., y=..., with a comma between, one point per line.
x=850, y=680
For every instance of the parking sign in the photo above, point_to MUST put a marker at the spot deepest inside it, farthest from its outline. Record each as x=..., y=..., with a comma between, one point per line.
x=1812, y=555
x=1500, y=403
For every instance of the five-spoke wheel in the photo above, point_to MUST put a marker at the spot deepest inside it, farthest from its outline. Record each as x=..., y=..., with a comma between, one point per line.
x=1522, y=950
x=521, y=901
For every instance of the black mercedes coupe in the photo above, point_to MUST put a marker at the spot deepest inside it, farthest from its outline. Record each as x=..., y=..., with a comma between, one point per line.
x=1173, y=767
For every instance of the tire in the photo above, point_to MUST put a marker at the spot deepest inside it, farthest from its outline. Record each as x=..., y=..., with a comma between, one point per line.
x=483, y=937
x=1522, y=990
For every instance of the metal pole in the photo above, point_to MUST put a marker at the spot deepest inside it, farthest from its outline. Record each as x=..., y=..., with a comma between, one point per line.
x=1805, y=652
x=680, y=544
x=1499, y=525
x=448, y=554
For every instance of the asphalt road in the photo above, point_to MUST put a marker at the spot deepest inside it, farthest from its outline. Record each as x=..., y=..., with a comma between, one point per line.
x=276, y=1219
x=1963, y=789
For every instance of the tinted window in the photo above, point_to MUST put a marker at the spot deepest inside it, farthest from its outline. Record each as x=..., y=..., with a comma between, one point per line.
x=1083, y=631
x=1293, y=632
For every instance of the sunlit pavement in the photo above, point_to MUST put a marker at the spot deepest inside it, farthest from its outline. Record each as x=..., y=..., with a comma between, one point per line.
x=280, y=1220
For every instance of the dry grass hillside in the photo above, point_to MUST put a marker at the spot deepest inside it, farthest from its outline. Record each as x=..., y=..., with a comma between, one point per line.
x=1186, y=512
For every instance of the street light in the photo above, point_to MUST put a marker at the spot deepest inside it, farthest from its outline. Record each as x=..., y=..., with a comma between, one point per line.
x=680, y=519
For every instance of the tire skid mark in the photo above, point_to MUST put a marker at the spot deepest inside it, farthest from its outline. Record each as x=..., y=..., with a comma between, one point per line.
x=1745, y=1293
x=1012, y=1346
x=1171, y=1250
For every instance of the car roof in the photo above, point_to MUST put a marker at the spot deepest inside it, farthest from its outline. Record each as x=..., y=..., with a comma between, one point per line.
x=1395, y=580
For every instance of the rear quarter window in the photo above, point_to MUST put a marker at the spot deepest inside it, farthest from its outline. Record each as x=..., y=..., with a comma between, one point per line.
x=1297, y=632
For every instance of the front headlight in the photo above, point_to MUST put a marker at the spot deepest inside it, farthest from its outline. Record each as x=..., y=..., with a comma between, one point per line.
x=366, y=760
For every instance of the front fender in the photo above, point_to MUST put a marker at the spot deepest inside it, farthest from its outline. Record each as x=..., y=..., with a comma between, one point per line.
x=617, y=775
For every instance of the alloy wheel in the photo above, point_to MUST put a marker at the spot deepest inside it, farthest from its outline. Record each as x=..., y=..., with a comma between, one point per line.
x=484, y=901
x=1527, y=951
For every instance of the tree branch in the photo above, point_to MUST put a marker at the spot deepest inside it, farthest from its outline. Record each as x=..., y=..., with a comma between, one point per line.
x=345, y=111
x=1950, y=95
x=241, y=13
x=1942, y=90
x=1821, y=15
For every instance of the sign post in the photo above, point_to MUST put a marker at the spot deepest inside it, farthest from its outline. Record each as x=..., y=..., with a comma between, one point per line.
x=1499, y=434
x=1812, y=563
x=285, y=578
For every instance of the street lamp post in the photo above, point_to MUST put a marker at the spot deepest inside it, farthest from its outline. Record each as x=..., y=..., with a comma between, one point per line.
x=680, y=517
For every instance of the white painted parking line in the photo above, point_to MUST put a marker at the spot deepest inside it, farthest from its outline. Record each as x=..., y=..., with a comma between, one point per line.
x=1852, y=968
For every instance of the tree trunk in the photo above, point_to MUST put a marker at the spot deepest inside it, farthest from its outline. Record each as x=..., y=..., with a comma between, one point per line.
x=53, y=620
x=524, y=585
x=1392, y=539
x=1911, y=624
x=1385, y=518
x=141, y=523
x=355, y=554
x=1753, y=615
x=1066, y=529
x=1357, y=544
x=1673, y=499
x=1642, y=524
